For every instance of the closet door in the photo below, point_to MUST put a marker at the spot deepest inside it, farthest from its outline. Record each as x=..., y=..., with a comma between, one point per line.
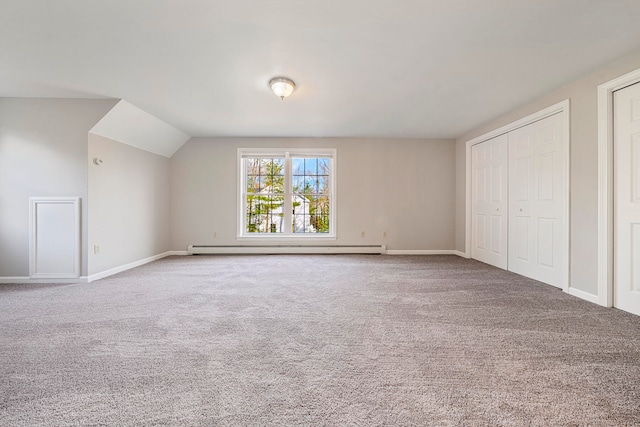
x=537, y=227
x=626, y=107
x=489, y=201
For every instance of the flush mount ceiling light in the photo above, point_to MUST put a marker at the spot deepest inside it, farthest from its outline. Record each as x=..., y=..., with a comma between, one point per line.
x=282, y=86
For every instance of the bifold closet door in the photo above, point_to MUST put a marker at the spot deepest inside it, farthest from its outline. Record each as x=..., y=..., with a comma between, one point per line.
x=626, y=108
x=489, y=201
x=537, y=227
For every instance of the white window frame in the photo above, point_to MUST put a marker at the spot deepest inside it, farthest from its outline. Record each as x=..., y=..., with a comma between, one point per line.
x=287, y=154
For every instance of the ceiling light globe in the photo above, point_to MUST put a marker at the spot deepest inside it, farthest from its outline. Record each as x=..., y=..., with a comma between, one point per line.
x=282, y=86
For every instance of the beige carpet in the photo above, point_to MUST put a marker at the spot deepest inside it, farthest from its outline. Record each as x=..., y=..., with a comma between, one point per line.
x=314, y=341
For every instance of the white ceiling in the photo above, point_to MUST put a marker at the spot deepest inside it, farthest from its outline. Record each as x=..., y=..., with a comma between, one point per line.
x=370, y=68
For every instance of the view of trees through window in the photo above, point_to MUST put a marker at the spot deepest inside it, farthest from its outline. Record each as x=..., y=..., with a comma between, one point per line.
x=266, y=193
x=310, y=195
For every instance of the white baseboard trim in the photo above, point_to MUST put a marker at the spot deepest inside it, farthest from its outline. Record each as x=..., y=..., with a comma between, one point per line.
x=284, y=249
x=93, y=277
x=461, y=254
x=177, y=253
x=584, y=295
x=421, y=252
x=28, y=280
x=121, y=268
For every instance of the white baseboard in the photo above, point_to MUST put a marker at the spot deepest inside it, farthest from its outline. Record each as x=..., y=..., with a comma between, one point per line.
x=15, y=279
x=421, y=252
x=121, y=268
x=177, y=253
x=356, y=249
x=27, y=280
x=584, y=295
x=285, y=249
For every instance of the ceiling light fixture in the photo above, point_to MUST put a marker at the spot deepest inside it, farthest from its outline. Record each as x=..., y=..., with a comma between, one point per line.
x=282, y=86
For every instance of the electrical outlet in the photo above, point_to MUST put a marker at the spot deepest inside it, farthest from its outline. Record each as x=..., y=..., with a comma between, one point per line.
x=362, y=234
x=384, y=234
x=96, y=249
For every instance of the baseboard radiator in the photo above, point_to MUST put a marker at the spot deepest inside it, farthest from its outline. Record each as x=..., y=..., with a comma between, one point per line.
x=286, y=249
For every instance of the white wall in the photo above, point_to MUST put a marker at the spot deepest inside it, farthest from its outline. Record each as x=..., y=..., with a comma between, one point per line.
x=405, y=187
x=584, y=169
x=129, y=204
x=43, y=152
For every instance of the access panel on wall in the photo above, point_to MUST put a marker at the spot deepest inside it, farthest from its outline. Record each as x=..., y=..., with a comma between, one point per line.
x=54, y=238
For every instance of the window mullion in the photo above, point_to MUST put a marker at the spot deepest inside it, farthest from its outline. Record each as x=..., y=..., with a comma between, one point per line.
x=288, y=196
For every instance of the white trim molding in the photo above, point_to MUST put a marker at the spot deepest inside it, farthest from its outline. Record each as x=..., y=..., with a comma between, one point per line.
x=285, y=249
x=28, y=280
x=315, y=249
x=583, y=295
x=605, y=183
x=177, y=253
x=93, y=277
x=422, y=252
x=560, y=107
x=125, y=267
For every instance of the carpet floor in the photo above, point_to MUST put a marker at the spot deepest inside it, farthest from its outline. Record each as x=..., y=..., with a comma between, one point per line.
x=314, y=341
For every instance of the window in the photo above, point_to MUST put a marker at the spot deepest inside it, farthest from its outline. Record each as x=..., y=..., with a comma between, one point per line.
x=288, y=193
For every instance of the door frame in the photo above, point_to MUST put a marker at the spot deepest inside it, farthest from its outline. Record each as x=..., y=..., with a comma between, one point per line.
x=560, y=107
x=605, y=183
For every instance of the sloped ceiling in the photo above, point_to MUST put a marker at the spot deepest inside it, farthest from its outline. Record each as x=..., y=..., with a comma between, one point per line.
x=130, y=125
x=381, y=68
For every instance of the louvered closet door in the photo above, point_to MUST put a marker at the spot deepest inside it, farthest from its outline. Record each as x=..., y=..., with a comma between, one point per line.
x=626, y=106
x=489, y=201
x=537, y=227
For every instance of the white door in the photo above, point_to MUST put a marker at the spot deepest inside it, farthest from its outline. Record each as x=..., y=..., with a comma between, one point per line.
x=537, y=201
x=626, y=107
x=489, y=201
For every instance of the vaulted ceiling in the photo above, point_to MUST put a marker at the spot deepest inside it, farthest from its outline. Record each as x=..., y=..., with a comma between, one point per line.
x=371, y=68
